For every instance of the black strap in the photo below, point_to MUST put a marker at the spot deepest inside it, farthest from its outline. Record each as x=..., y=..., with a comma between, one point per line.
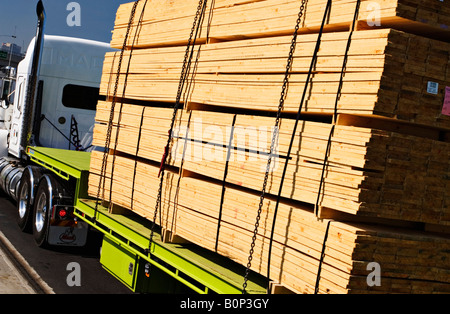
x=299, y=113
x=195, y=32
x=274, y=138
x=136, y=156
x=338, y=96
x=175, y=201
x=102, y=182
x=322, y=256
x=225, y=173
x=328, y=149
x=324, y=168
x=104, y=162
x=118, y=127
x=125, y=83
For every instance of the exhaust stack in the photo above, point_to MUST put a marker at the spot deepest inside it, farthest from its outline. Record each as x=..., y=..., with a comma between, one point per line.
x=29, y=105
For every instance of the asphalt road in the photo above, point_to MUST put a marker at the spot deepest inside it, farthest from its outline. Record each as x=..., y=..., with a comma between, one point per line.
x=52, y=264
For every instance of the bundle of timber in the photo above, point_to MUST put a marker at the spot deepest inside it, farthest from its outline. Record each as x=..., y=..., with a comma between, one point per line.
x=369, y=172
x=169, y=22
x=134, y=185
x=193, y=208
x=371, y=152
x=387, y=72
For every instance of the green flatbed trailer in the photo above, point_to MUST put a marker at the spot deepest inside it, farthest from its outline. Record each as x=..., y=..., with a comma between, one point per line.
x=165, y=267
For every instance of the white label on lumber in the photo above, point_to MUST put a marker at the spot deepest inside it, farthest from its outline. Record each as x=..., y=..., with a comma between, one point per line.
x=433, y=88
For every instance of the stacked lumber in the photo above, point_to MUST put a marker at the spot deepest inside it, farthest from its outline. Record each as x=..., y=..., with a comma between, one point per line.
x=169, y=22
x=383, y=76
x=369, y=173
x=134, y=185
x=299, y=241
x=410, y=261
x=385, y=179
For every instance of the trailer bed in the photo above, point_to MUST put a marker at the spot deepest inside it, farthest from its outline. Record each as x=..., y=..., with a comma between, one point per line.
x=126, y=251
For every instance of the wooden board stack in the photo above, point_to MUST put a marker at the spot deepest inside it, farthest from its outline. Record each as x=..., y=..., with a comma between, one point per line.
x=410, y=261
x=169, y=22
x=370, y=172
x=382, y=77
x=384, y=194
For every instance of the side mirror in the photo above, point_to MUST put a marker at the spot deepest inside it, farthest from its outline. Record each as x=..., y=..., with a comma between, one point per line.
x=4, y=104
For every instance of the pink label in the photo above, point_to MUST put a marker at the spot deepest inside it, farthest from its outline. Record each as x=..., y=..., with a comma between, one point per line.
x=446, y=107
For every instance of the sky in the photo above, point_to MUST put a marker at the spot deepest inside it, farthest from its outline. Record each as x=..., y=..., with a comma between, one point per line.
x=90, y=19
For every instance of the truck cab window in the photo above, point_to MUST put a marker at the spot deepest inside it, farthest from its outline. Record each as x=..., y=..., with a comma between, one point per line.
x=80, y=97
x=5, y=91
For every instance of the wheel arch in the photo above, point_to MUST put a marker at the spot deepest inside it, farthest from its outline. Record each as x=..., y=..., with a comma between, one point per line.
x=56, y=189
x=36, y=173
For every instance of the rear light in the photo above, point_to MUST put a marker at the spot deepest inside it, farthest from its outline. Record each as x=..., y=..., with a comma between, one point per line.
x=62, y=213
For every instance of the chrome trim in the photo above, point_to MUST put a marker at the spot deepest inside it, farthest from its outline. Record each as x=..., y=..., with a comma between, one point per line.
x=41, y=209
x=32, y=183
x=24, y=199
x=10, y=176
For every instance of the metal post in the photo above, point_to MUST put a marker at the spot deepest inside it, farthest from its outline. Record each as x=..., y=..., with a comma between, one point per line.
x=10, y=56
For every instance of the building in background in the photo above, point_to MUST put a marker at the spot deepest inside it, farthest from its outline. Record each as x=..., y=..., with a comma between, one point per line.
x=10, y=55
x=15, y=49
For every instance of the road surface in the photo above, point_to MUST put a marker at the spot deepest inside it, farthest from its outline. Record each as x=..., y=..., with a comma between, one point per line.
x=54, y=265
x=12, y=280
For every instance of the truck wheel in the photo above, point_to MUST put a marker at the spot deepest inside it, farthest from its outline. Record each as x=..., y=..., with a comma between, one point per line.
x=24, y=203
x=42, y=209
x=25, y=196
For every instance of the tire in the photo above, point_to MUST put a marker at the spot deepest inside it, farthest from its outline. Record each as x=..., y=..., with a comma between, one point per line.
x=26, y=190
x=24, y=202
x=42, y=208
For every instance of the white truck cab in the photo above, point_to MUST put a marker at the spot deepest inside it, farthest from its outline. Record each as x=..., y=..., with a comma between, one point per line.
x=56, y=93
x=67, y=92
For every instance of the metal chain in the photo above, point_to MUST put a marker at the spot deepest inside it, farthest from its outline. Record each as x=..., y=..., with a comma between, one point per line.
x=274, y=138
x=184, y=72
x=113, y=105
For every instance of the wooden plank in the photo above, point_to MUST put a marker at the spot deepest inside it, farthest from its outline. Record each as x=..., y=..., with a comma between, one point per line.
x=168, y=23
x=369, y=172
x=298, y=237
x=388, y=162
x=248, y=74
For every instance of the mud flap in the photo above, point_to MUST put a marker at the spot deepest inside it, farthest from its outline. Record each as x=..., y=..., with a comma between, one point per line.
x=75, y=235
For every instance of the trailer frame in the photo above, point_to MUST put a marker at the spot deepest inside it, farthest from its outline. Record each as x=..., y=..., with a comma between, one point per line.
x=126, y=238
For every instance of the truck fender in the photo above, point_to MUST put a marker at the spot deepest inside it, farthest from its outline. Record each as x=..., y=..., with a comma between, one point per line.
x=35, y=174
x=58, y=195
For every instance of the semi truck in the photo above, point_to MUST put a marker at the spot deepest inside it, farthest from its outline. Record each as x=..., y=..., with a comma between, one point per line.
x=46, y=139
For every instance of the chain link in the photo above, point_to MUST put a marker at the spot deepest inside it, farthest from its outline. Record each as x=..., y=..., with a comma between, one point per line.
x=274, y=139
x=113, y=105
x=184, y=73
